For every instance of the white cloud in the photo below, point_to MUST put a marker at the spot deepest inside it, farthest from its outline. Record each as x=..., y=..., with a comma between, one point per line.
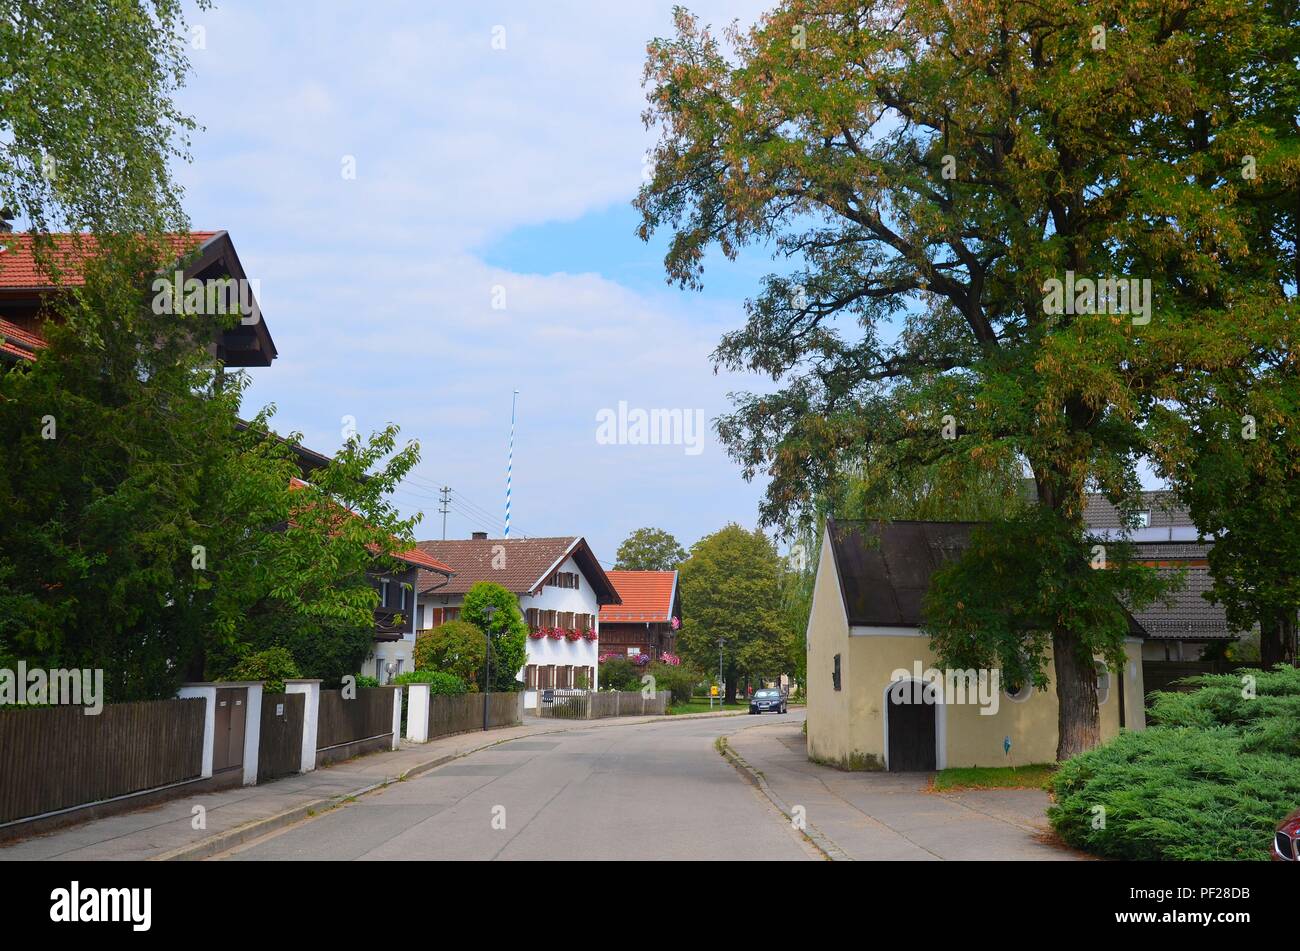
x=373, y=289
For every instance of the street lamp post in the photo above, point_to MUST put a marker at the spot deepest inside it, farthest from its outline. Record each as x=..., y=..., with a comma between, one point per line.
x=722, y=642
x=488, y=611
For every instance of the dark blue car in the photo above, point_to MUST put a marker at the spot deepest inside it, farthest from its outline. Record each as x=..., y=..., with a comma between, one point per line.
x=767, y=700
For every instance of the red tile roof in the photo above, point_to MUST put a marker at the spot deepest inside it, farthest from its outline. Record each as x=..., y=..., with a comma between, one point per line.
x=412, y=556
x=647, y=596
x=20, y=269
x=19, y=342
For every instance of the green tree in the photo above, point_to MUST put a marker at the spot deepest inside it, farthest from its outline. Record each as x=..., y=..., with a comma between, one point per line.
x=729, y=599
x=88, y=125
x=1233, y=458
x=509, y=634
x=936, y=173
x=147, y=534
x=456, y=647
x=649, y=549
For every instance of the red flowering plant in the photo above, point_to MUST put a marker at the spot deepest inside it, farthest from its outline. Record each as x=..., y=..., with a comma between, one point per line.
x=555, y=633
x=590, y=635
x=537, y=633
x=573, y=634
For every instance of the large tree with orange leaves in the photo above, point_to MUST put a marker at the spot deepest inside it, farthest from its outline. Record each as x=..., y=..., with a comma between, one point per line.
x=939, y=179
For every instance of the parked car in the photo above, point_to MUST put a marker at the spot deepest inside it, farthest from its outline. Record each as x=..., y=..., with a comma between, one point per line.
x=1286, y=844
x=766, y=700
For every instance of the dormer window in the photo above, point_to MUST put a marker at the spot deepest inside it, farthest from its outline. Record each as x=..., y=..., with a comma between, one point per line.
x=1144, y=519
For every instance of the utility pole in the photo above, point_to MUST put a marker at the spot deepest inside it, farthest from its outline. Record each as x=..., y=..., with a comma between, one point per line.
x=446, y=503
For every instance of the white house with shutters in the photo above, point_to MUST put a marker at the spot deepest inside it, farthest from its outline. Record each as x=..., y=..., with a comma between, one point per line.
x=560, y=586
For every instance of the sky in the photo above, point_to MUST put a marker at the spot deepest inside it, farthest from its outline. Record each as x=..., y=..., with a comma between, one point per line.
x=485, y=243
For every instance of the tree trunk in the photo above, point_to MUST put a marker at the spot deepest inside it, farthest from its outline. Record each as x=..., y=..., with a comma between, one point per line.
x=1277, y=639
x=1077, y=721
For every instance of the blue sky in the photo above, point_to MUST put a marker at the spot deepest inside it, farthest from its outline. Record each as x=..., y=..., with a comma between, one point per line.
x=477, y=171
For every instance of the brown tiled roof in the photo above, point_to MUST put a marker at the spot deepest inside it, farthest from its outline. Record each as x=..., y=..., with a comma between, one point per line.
x=885, y=567
x=647, y=596
x=1165, y=511
x=519, y=565
x=1189, y=616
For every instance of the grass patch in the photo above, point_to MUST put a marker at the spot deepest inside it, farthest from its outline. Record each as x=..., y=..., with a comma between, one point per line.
x=1033, y=776
x=702, y=706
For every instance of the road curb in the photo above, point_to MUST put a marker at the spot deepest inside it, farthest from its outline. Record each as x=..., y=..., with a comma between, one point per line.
x=819, y=840
x=256, y=828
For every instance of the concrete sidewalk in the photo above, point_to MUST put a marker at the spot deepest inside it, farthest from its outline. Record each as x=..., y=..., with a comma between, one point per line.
x=238, y=815
x=867, y=816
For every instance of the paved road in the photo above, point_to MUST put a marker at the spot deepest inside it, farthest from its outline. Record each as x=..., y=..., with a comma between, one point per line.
x=652, y=791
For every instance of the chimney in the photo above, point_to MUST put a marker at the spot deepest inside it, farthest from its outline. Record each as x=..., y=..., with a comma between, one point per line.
x=478, y=536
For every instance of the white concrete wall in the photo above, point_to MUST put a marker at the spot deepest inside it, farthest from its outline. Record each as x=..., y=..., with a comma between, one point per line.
x=207, y=693
x=310, y=718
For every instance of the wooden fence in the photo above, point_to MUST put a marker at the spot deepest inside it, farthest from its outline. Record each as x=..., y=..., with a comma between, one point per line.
x=55, y=758
x=1166, y=674
x=463, y=713
x=369, y=716
x=595, y=705
x=280, y=744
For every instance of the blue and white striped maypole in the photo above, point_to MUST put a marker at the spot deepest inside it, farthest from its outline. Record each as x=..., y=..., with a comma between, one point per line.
x=510, y=458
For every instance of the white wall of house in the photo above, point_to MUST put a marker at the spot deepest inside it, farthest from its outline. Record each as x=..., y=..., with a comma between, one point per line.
x=400, y=652
x=541, y=651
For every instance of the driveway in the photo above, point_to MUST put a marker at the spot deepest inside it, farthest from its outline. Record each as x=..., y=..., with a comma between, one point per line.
x=893, y=816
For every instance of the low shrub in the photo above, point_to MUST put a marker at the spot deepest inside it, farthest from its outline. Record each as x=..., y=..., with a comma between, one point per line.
x=366, y=681
x=1209, y=780
x=681, y=680
x=619, y=673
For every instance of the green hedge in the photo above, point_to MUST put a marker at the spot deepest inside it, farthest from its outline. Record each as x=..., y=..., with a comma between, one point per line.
x=1210, y=779
x=439, y=681
x=271, y=666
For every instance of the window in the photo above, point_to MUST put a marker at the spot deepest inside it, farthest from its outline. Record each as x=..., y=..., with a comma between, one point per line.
x=835, y=675
x=452, y=613
x=379, y=669
x=402, y=588
x=1019, y=690
x=1103, y=683
x=1144, y=519
x=399, y=665
x=383, y=593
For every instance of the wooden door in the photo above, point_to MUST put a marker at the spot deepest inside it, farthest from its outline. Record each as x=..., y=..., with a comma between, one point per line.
x=911, y=712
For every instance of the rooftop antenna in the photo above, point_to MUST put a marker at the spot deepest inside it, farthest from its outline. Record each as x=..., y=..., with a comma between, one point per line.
x=510, y=458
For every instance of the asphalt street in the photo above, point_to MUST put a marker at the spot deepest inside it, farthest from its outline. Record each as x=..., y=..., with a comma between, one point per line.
x=649, y=791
